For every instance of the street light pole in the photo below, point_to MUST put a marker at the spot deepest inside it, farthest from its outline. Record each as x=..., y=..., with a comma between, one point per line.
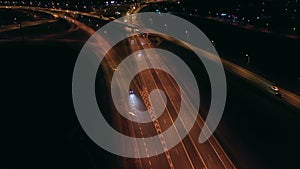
x=248, y=59
x=166, y=27
x=21, y=30
x=187, y=34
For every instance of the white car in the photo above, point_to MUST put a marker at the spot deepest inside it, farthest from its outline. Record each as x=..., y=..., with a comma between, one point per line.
x=274, y=88
x=131, y=91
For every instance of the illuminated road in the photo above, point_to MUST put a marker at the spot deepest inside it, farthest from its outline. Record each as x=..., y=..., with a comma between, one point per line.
x=26, y=24
x=188, y=153
x=206, y=155
x=252, y=27
x=290, y=98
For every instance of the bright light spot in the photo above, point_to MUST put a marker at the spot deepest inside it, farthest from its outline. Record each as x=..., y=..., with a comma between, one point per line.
x=139, y=54
x=131, y=113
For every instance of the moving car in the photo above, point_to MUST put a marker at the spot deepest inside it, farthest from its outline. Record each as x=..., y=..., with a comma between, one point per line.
x=131, y=91
x=274, y=88
x=279, y=95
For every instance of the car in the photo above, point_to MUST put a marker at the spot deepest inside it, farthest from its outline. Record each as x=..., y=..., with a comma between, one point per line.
x=280, y=95
x=131, y=91
x=274, y=88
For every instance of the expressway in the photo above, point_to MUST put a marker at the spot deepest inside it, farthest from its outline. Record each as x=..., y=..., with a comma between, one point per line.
x=189, y=153
x=290, y=98
x=26, y=24
x=207, y=155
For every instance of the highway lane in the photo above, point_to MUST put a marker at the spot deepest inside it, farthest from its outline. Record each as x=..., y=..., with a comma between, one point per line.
x=266, y=85
x=252, y=27
x=148, y=84
x=207, y=151
x=144, y=163
x=59, y=31
x=142, y=130
x=26, y=24
x=253, y=78
x=290, y=98
x=189, y=147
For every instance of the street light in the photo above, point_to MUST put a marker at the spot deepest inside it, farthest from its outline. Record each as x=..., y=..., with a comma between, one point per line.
x=151, y=21
x=187, y=34
x=166, y=27
x=248, y=59
x=213, y=42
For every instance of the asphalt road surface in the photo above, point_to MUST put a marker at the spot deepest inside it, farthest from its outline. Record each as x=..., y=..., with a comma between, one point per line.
x=52, y=113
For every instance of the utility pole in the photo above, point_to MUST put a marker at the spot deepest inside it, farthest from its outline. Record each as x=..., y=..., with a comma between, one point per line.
x=248, y=59
x=21, y=30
